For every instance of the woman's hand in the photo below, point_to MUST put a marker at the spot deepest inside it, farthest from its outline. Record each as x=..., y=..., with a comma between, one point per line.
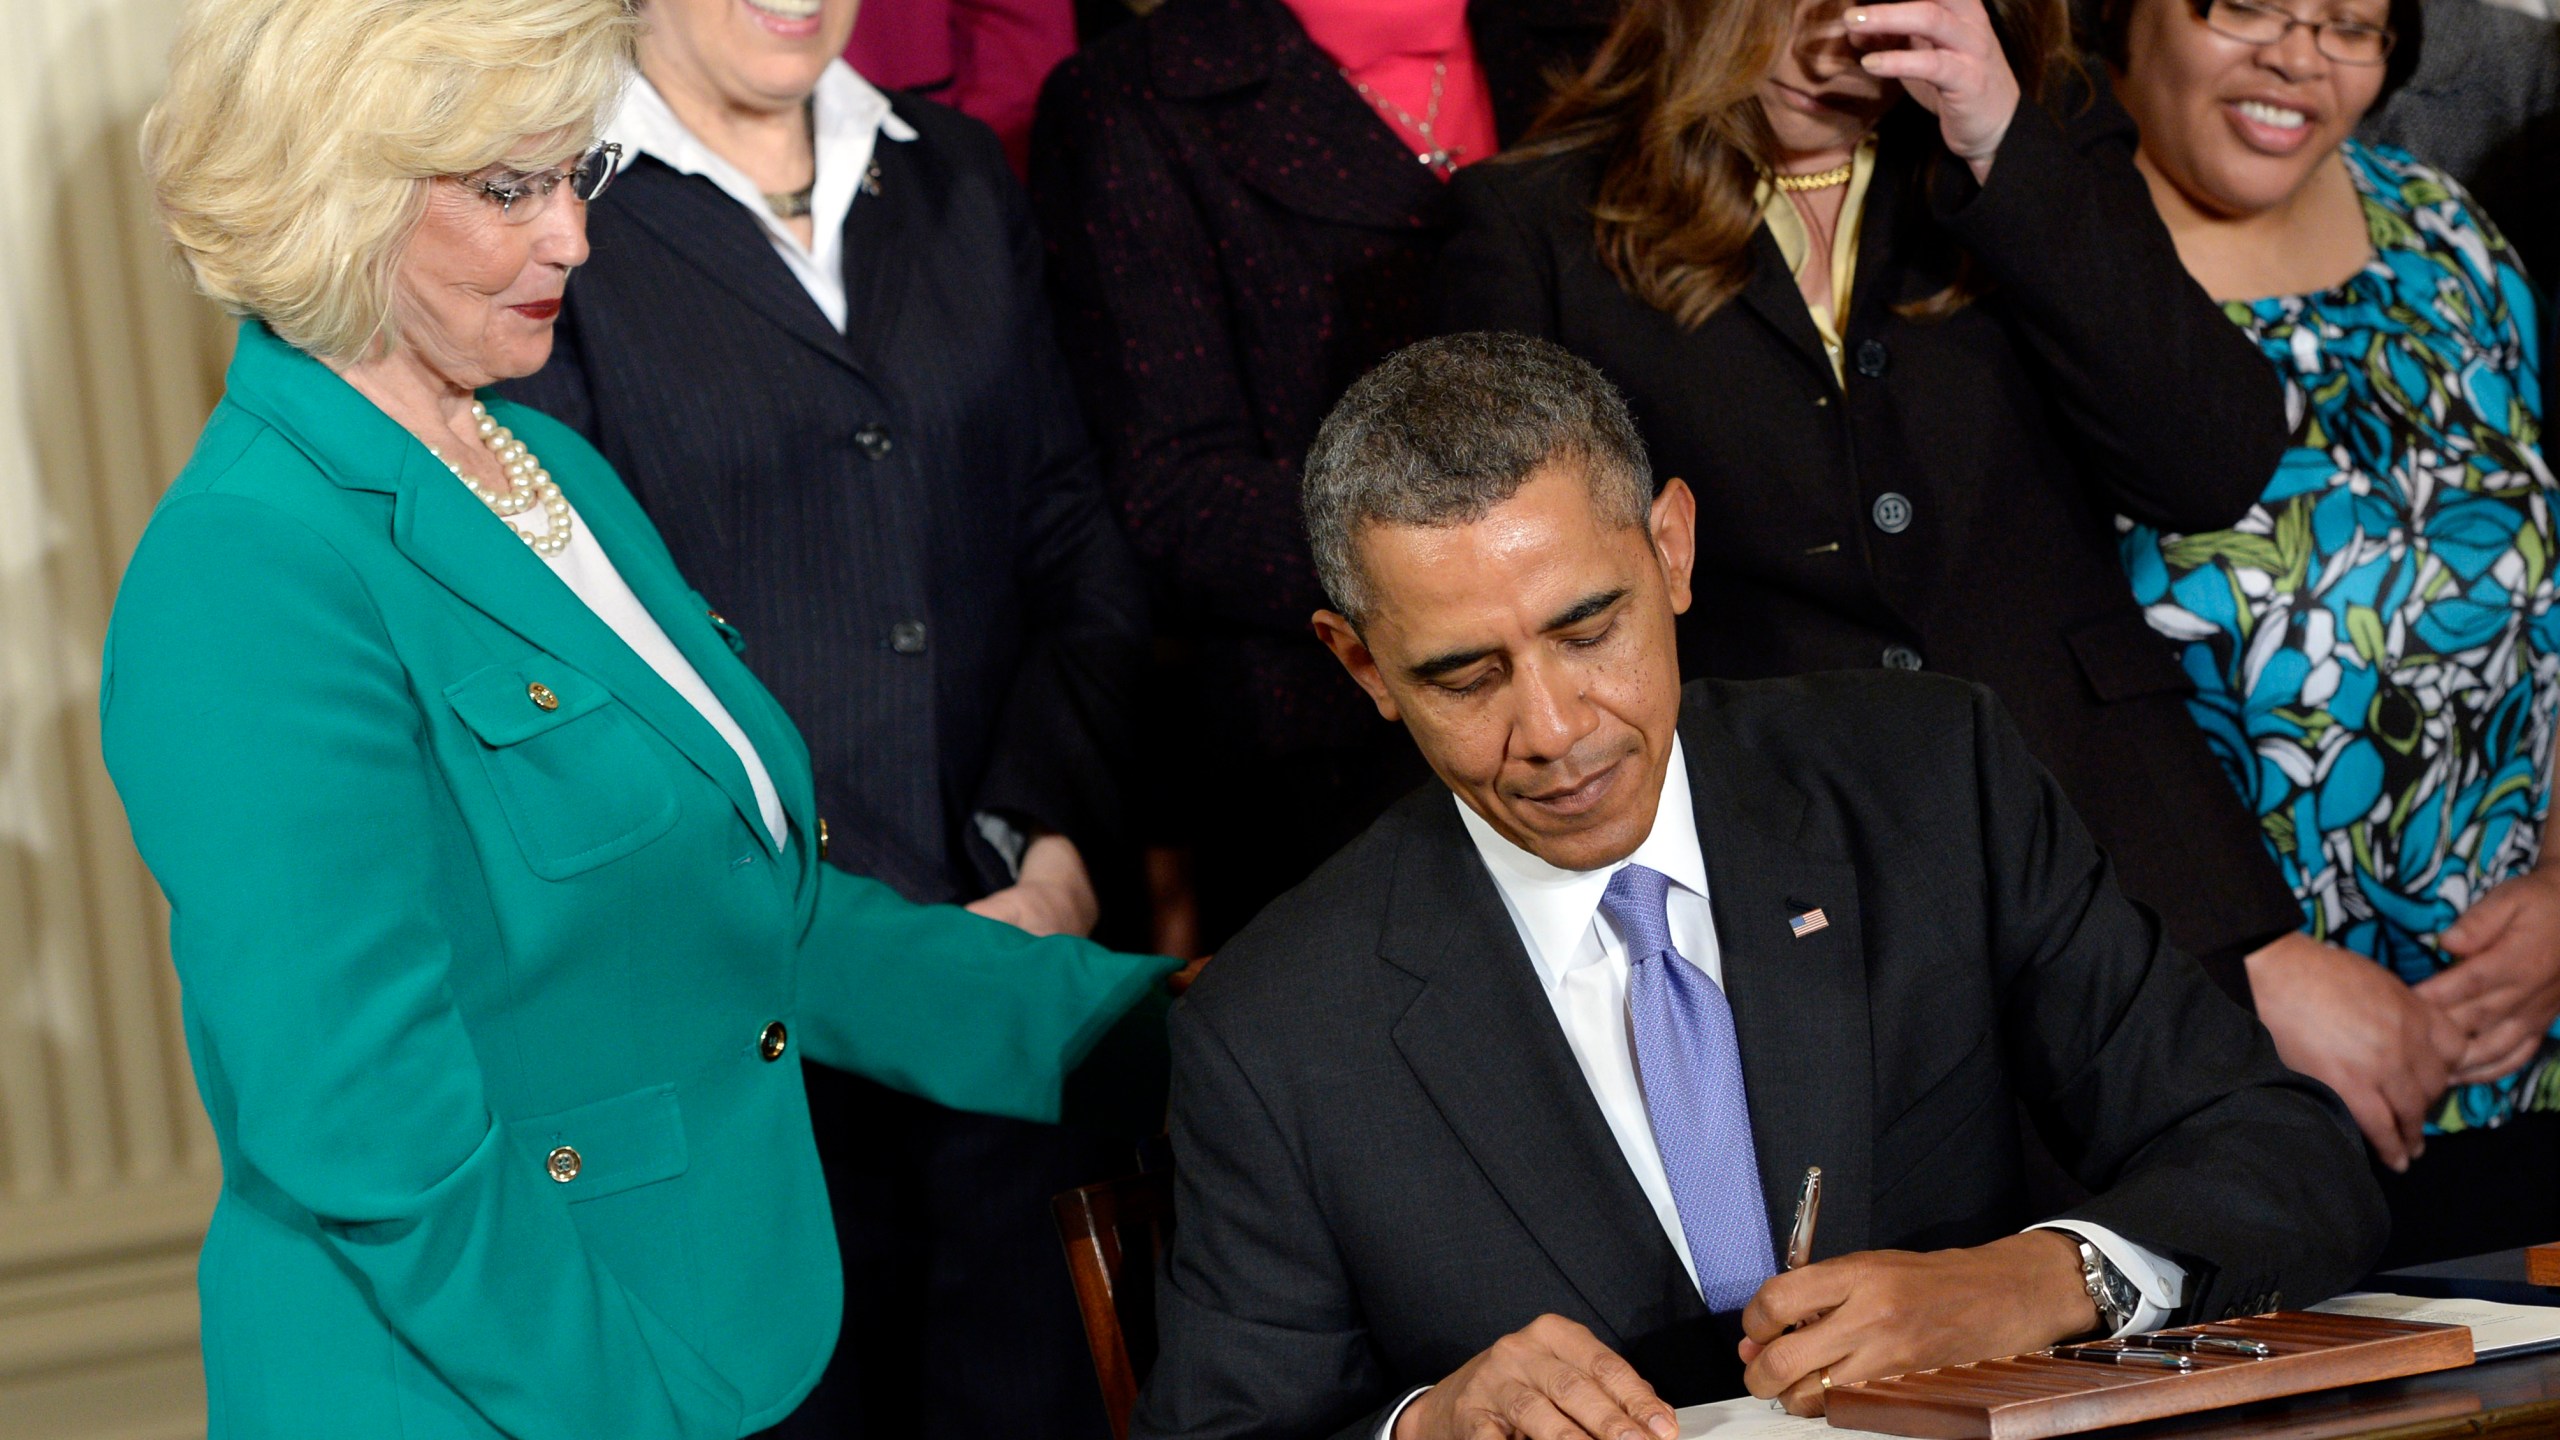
x=2351, y=1025
x=2504, y=987
x=1945, y=54
x=1052, y=895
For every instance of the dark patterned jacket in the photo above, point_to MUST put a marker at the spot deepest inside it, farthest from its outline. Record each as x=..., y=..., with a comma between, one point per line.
x=1234, y=237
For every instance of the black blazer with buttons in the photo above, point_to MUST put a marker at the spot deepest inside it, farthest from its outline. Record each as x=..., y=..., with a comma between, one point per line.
x=1952, y=505
x=904, y=520
x=1387, y=1156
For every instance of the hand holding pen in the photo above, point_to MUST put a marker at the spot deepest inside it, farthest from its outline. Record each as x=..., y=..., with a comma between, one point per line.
x=1856, y=1316
x=1800, y=1238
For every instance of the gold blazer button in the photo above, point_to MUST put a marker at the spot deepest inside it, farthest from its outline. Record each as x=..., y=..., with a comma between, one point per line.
x=542, y=695
x=773, y=1041
x=564, y=1164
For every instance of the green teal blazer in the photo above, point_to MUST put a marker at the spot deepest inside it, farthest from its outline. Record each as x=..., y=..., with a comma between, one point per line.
x=498, y=1006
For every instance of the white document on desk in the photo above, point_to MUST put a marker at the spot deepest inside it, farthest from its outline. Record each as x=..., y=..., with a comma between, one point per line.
x=1750, y=1418
x=2496, y=1329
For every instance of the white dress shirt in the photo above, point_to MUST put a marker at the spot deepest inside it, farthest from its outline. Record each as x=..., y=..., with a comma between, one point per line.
x=588, y=572
x=847, y=117
x=1581, y=962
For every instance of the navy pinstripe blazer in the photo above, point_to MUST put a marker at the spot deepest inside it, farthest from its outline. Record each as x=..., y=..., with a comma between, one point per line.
x=904, y=521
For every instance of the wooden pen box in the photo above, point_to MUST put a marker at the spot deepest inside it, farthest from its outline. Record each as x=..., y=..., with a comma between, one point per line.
x=2028, y=1396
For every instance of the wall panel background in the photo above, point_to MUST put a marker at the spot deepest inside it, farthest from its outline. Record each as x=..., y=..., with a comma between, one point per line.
x=108, y=364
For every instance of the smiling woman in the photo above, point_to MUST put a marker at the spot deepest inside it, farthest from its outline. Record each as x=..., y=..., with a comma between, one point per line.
x=2376, y=644
x=507, y=1087
x=1882, y=285
x=814, y=342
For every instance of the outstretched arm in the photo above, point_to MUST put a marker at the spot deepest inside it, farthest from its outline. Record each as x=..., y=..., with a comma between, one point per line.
x=967, y=1012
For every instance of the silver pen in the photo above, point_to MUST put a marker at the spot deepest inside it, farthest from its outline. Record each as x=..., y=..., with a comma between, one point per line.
x=1800, y=1237
x=2218, y=1344
x=1808, y=1208
x=2156, y=1359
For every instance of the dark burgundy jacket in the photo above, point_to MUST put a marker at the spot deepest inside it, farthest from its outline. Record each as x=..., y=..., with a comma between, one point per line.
x=1235, y=236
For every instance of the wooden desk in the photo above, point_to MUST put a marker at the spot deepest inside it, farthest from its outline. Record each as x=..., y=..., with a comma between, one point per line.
x=2505, y=1399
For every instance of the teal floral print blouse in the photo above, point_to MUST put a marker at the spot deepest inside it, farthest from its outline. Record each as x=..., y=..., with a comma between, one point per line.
x=2375, y=648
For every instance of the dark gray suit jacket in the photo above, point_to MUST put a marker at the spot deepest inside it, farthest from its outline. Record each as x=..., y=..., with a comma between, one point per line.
x=1388, y=1157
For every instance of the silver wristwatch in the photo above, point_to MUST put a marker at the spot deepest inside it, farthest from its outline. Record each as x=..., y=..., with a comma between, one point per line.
x=2113, y=1294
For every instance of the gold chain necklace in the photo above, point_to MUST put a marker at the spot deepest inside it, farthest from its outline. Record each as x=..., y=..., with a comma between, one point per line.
x=1818, y=180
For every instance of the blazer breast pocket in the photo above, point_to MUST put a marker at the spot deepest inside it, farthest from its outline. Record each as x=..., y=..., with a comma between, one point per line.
x=578, y=782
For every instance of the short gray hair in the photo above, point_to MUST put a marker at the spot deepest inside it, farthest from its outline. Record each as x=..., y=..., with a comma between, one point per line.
x=1443, y=431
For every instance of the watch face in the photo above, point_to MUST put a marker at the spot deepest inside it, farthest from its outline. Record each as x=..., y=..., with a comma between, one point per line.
x=2120, y=1290
x=2114, y=1294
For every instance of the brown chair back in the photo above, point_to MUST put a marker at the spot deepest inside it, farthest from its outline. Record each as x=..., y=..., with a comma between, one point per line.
x=1113, y=1232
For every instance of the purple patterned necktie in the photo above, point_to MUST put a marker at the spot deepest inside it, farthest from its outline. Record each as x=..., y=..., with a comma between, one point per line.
x=1691, y=1066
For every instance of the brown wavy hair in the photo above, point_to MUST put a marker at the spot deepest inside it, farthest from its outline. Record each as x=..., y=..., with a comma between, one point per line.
x=1671, y=103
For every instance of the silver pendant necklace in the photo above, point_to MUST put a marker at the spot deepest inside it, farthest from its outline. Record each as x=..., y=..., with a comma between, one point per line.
x=1439, y=158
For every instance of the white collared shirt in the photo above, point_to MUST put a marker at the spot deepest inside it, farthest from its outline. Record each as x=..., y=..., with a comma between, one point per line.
x=848, y=115
x=590, y=575
x=1581, y=962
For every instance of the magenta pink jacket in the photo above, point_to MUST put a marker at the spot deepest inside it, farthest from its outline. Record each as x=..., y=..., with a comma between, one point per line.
x=983, y=57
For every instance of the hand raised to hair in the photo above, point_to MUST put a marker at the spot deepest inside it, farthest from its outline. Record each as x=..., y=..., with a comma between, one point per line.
x=1945, y=53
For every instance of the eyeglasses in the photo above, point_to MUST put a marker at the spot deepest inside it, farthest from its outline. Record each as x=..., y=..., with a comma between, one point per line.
x=2348, y=42
x=521, y=199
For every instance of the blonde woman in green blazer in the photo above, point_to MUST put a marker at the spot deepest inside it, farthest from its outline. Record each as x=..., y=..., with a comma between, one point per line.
x=496, y=890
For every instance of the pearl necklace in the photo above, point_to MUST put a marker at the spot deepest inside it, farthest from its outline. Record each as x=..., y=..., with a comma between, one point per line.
x=527, y=483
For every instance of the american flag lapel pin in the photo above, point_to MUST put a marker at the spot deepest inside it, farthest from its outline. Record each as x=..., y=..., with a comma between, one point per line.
x=1807, y=923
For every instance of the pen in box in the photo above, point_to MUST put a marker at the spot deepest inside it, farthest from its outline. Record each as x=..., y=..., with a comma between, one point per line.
x=2155, y=1359
x=2218, y=1344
